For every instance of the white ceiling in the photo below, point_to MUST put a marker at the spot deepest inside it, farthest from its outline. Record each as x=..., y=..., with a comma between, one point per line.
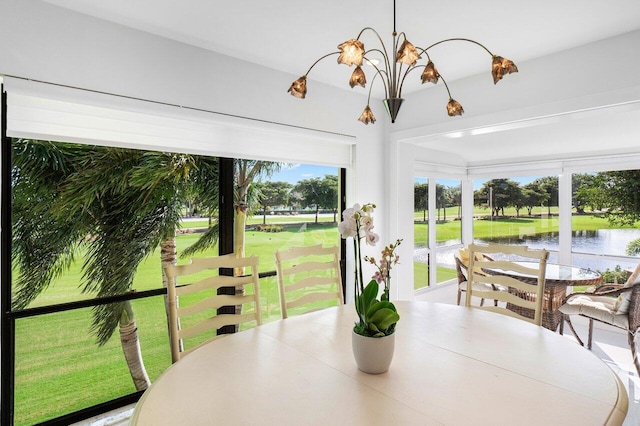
x=289, y=35
x=610, y=131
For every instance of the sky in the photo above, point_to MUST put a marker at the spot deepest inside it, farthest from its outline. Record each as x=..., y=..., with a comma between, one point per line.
x=298, y=172
x=477, y=183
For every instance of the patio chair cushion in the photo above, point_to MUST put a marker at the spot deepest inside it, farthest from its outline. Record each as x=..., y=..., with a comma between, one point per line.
x=476, y=286
x=601, y=308
x=622, y=304
x=463, y=254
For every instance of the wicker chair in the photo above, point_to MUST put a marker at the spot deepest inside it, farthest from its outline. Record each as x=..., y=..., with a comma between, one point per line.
x=307, y=275
x=524, y=284
x=612, y=304
x=195, y=320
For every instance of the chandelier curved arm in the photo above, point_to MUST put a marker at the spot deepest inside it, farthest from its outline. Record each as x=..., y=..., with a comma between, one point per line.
x=383, y=52
x=499, y=66
x=458, y=39
x=418, y=67
x=425, y=51
x=404, y=76
x=396, y=88
x=367, y=115
x=446, y=86
x=384, y=74
x=319, y=59
x=371, y=85
x=386, y=55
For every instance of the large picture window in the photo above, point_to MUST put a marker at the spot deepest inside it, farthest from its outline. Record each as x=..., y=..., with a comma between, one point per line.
x=92, y=222
x=604, y=231
x=125, y=186
x=437, y=231
x=518, y=210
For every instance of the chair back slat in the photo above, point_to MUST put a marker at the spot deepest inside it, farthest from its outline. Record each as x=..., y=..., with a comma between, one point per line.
x=193, y=308
x=308, y=275
x=524, y=283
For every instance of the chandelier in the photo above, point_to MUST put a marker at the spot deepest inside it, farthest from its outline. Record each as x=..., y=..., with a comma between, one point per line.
x=393, y=70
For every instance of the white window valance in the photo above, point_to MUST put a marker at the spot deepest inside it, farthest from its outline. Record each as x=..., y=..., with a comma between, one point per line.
x=51, y=112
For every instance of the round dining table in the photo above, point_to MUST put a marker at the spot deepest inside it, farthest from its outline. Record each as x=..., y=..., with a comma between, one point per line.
x=452, y=366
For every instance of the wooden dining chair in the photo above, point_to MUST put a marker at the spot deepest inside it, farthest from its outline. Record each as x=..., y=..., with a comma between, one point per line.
x=308, y=276
x=525, y=283
x=462, y=261
x=192, y=304
x=617, y=305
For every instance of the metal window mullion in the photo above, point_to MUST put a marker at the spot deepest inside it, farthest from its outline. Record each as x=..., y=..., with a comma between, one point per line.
x=7, y=324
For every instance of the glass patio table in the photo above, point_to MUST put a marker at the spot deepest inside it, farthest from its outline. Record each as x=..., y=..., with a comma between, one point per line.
x=452, y=365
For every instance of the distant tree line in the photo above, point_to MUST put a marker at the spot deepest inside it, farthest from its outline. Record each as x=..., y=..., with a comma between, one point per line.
x=616, y=195
x=316, y=193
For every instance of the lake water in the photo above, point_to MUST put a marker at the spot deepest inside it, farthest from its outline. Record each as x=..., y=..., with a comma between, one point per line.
x=611, y=242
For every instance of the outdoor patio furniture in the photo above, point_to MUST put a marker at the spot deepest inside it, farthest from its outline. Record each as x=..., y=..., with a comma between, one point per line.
x=524, y=295
x=199, y=315
x=556, y=280
x=612, y=304
x=308, y=275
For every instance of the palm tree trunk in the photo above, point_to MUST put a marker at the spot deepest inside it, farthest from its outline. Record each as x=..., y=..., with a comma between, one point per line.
x=168, y=256
x=131, y=348
x=240, y=221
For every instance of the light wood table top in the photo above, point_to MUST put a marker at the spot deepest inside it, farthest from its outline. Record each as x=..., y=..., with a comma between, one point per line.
x=452, y=366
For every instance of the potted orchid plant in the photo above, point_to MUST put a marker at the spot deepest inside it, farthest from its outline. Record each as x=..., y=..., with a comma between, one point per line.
x=376, y=318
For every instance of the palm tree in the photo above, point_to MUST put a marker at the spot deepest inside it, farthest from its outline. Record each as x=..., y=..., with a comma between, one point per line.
x=246, y=172
x=118, y=204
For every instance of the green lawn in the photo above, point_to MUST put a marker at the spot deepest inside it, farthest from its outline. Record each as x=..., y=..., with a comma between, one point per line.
x=509, y=227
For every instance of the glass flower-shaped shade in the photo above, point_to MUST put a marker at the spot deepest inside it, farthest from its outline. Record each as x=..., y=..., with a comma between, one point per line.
x=367, y=116
x=358, y=78
x=501, y=66
x=351, y=52
x=407, y=54
x=430, y=74
x=299, y=87
x=454, y=108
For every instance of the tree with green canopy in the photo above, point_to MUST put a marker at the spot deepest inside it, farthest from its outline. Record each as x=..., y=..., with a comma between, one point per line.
x=319, y=193
x=498, y=193
x=272, y=193
x=421, y=199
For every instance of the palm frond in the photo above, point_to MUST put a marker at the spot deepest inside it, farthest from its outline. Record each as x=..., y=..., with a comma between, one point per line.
x=206, y=241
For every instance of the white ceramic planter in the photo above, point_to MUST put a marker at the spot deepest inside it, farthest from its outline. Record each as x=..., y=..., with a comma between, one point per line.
x=373, y=355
